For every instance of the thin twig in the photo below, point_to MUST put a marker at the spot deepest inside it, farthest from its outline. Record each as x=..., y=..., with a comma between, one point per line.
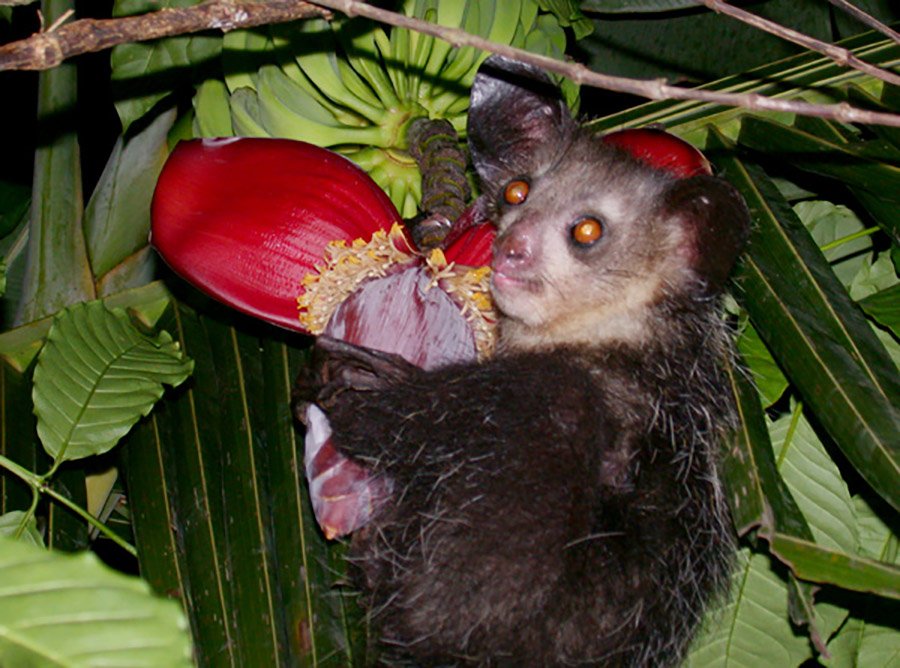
x=45, y=50
x=838, y=54
x=653, y=89
x=866, y=19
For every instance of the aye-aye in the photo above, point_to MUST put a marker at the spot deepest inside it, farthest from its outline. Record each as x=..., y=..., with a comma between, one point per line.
x=558, y=504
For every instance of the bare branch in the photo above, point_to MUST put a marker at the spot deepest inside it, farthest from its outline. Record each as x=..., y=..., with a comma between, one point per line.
x=838, y=54
x=653, y=89
x=48, y=49
x=866, y=19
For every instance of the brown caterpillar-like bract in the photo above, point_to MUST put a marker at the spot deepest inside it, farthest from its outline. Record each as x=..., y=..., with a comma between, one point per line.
x=558, y=504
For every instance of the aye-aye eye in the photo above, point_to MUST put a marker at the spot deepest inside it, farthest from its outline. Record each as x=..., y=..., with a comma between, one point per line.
x=587, y=231
x=516, y=192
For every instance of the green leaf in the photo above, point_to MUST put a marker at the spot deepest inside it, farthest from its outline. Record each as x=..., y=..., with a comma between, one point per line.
x=222, y=516
x=868, y=638
x=19, y=346
x=57, y=271
x=96, y=376
x=11, y=524
x=875, y=183
x=117, y=218
x=752, y=628
x=146, y=72
x=819, y=337
x=866, y=644
x=818, y=564
x=828, y=223
x=815, y=482
x=694, y=44
x=884, y=308
x=769, y=380
x=759, y=496
x=873, y=278
x=71, y=610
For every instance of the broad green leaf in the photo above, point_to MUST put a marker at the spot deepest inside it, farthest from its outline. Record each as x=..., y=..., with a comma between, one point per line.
x=117, y=217
x=868, y=639
x=19, y=346
x=828, y=223
x=884, y=308
x=12, y=522
x=768, y=378
x=146, y=72
x=760, y=498
x=696, y=45
x=57, y=271
x=819, y=337
x=96, y=376
x=875, y=183
x=221, y=513
x=876, y=539
x=866, y=644
x=815, y=482
x=873, y=278
x=752, y=628
x=758, y=494
x=818, y=564
x=71, y=610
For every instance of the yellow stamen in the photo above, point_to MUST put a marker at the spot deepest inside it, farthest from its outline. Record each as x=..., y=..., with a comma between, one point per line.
x=347, y=266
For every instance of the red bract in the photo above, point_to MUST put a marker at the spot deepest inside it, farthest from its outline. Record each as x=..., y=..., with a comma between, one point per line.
x=662, y=150
x=257, y=223
x=245, y=220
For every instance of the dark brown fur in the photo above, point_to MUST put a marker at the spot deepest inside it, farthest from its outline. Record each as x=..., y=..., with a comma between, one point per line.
x=558, y=504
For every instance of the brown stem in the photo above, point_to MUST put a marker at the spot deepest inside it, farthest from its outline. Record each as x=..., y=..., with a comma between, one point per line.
x=45, y=50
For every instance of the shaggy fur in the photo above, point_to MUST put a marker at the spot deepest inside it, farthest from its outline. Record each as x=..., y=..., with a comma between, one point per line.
x=559, y=504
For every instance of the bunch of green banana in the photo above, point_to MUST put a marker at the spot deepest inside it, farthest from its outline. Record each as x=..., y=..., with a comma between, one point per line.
x=352, y=86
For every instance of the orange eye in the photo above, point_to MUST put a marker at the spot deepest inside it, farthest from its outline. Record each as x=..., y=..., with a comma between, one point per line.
x=587, y=231
x=516, y=192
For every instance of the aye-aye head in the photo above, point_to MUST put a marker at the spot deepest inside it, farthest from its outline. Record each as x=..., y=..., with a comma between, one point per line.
x=589, y=238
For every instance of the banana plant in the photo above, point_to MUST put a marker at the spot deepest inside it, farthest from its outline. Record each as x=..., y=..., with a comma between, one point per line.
x=219, y=510
x=350, y=85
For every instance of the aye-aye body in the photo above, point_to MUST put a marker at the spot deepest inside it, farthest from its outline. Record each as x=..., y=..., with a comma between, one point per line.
x=558, y=504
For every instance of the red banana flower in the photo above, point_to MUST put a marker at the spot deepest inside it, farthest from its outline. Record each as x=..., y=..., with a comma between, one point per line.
x=302, y=238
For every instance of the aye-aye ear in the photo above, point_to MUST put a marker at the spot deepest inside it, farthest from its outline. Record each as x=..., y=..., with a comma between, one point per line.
x=717, y=223
x=514, y=111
